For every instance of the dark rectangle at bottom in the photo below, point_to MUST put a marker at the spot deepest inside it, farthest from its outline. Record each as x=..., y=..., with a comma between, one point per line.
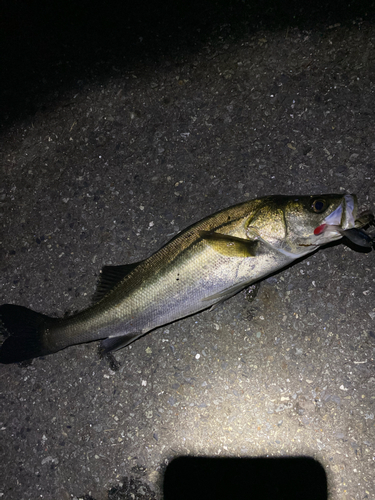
x=205, y=478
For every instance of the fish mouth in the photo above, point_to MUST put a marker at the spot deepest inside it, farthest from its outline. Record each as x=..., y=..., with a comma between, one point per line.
x=345, y=214
x=339, y=221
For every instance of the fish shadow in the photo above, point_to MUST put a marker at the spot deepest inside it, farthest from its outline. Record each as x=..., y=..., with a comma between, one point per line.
x=208, y=478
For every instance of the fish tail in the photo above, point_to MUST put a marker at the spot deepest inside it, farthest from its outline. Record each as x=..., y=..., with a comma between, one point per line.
x=25, y=333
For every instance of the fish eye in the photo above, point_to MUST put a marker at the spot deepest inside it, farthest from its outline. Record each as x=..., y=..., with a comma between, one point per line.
x=318, y=206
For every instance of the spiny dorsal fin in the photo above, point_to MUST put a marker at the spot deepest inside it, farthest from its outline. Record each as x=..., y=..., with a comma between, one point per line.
x=110, y=276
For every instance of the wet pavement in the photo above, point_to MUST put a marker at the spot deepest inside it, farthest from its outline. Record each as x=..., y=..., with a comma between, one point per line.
x=119, y=129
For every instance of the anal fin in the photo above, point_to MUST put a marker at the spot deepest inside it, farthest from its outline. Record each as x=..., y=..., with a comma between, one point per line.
x=115, y=343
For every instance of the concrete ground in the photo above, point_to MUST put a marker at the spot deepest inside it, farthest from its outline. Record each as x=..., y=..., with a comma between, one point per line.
x=120, y=128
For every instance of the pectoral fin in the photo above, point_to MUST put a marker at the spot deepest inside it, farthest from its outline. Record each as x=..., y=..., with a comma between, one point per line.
x=231, y=246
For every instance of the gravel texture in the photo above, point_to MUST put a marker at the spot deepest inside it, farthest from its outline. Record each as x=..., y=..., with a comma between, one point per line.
x=120, y=128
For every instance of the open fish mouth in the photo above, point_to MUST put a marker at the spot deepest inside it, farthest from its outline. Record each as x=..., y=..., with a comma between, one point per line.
x=344, y=222
x=345, y=214
x=341, y=219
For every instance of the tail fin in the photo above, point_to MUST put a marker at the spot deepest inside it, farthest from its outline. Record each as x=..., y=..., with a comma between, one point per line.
x=25, y=329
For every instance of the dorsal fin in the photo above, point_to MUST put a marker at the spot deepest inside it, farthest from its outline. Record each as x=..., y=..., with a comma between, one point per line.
x=110, y=276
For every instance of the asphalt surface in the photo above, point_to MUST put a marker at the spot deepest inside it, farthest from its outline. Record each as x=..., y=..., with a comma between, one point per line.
x=121, y=127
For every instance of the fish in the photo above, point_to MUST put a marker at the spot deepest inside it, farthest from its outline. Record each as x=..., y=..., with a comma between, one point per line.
x=198, y=268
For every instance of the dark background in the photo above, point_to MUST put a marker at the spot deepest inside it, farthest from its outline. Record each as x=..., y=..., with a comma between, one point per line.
x=49, y=46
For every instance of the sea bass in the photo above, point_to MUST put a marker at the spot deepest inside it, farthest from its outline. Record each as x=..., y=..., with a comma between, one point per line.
x=205, y=264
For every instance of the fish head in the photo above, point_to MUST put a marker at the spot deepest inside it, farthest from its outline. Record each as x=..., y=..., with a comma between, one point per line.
x=289, y=223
